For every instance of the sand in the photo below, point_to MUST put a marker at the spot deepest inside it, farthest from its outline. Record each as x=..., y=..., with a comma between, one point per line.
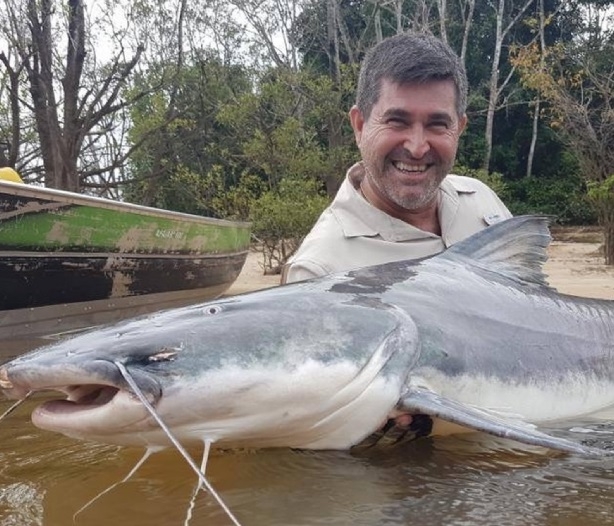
x=252, y=276
x=575, y=266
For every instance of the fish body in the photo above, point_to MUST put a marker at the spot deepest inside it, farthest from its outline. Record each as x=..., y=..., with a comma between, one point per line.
x=473, y=337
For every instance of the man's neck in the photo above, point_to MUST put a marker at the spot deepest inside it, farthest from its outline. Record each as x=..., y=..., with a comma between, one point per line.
x=426, y=218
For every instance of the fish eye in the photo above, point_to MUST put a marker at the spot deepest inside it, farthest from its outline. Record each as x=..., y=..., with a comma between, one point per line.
x=212, y=309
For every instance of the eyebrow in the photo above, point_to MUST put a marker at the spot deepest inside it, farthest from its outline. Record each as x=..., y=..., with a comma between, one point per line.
x=398, y=112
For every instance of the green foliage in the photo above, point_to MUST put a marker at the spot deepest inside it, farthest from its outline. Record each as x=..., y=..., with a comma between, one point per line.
x=577, y=79
x=181, y=140
x=283, y=217
x=236, y=201
x=284, y=127
x=601, y=194
x=564, y=198
x=494, y=180
x=176, y=192
x=472, y=145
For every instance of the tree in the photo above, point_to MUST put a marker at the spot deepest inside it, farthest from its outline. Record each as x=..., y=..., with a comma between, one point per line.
x=68, y=98
x=507, y=14
x=181, y=160
x=282, y=217
x=283, y=126
x=269, y=25
x=11, y=127
x=577, y=79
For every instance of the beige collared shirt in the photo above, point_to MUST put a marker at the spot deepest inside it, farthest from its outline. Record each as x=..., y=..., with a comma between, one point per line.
x=351, y=233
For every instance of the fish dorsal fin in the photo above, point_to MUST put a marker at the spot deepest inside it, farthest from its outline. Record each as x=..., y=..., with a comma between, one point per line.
x=515, y=248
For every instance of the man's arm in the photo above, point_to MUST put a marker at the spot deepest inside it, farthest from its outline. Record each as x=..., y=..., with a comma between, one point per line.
x=299, y=271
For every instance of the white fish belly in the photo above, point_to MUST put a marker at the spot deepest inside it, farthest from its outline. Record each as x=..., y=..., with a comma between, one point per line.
x=571, y=397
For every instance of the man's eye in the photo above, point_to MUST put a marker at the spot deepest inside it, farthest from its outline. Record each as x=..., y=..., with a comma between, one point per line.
x=396, y=121
x=440, y=124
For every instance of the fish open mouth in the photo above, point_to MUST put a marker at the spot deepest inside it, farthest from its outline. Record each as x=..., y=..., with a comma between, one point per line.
x=81, y=397
x=92, y=410
x=90, y=401
x=82, y=388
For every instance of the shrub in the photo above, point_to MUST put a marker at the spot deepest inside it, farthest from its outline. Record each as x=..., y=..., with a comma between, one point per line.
x=282, y=218
x=564, y=198
x=494, y=180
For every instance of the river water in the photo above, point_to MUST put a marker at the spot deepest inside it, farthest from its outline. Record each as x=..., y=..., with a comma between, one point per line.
x=46, y=479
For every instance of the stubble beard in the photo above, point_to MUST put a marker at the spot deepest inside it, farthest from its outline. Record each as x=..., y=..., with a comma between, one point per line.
x=422, y=194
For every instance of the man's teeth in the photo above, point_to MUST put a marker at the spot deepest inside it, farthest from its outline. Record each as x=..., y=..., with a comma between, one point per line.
x=411, y=167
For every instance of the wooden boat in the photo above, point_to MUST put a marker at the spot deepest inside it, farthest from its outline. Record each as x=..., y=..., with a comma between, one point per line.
x=69, y=260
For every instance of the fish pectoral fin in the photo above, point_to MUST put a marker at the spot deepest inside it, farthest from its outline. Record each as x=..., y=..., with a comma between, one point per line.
x=419, y=400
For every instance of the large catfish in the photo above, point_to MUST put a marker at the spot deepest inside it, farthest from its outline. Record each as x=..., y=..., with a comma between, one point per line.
x=473, y=338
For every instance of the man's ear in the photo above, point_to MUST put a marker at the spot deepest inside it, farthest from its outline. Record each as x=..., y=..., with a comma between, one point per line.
x=358, y=122
x=462, y=124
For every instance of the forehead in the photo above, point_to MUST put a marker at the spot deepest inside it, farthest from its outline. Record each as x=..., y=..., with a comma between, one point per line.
x=433, y=95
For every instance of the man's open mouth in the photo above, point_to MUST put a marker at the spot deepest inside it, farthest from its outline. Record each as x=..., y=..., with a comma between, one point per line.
x=410, y=168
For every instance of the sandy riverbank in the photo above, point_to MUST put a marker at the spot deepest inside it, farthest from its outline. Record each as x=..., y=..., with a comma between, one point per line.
x=575, y=266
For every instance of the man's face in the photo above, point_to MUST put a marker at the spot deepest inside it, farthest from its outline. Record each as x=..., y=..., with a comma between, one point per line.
x=408, y=144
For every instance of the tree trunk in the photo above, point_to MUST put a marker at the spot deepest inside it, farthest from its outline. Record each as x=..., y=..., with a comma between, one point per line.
x=533, y=137
x=398, y=13
x=59, y=145
x=379, y=36
x=442, y=6
x=494, y=88
x=9, y=149
x=606, y=220
x=466, y=29
x=493, y=85
x=602, y=196
x=335, y=135
x=536, y=115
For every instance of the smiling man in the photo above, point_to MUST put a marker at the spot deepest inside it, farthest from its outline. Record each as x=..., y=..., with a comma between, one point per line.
x=400, y=201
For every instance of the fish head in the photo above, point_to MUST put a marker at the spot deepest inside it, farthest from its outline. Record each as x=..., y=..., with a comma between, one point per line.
x=294, y=366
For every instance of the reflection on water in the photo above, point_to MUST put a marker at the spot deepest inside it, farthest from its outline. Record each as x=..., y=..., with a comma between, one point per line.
x=473, y=480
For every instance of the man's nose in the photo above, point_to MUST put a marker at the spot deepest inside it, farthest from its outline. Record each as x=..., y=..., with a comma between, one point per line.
x=416, y=142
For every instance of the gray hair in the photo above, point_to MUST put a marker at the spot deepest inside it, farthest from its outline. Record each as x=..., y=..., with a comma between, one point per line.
x=409, y=58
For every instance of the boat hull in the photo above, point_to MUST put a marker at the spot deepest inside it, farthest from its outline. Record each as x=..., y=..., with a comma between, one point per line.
x=71, y=257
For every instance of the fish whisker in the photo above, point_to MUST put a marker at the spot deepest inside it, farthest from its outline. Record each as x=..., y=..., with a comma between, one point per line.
x=15, y=405
x=201, y=477
x=140, y=462
x=203, y=469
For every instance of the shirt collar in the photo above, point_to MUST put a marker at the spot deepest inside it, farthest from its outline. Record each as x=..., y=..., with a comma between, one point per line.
x=358, y=217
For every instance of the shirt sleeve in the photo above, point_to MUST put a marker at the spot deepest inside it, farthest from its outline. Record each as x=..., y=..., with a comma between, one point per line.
x=300, y=271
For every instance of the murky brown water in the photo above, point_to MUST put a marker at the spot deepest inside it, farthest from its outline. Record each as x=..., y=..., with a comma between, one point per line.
x=45, y=479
